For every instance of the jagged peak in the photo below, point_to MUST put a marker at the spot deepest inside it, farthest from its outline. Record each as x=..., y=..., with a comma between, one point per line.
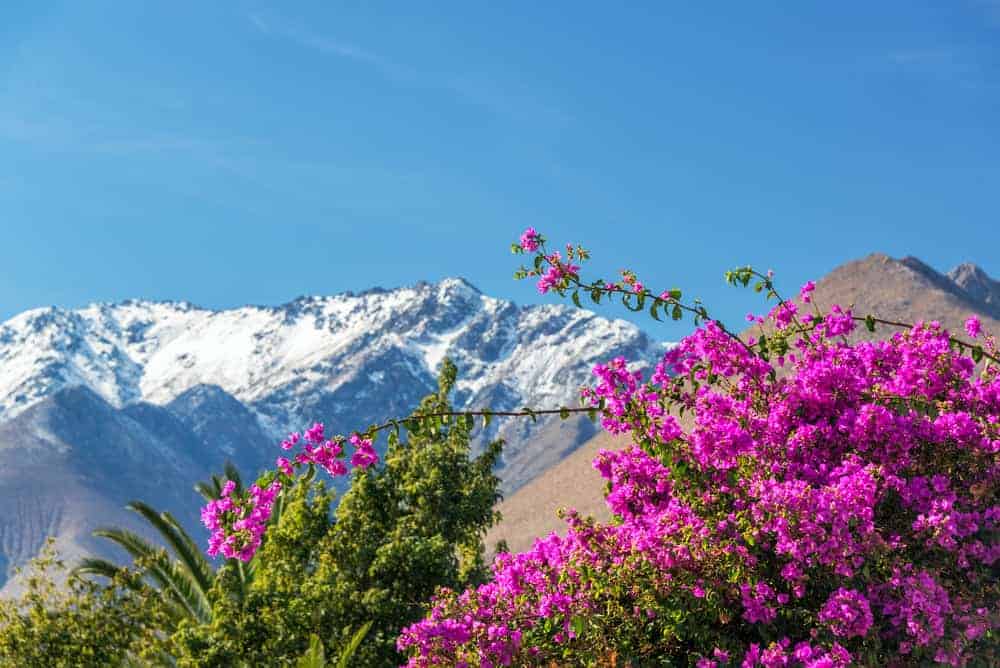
x=458, y=283
x=968, y=272
x=976, y=283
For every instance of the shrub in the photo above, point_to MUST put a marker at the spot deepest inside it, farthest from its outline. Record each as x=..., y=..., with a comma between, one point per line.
x=797, y=498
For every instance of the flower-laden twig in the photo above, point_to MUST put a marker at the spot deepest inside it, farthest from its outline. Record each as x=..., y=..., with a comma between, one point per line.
x=238, y=522
x=563, y=277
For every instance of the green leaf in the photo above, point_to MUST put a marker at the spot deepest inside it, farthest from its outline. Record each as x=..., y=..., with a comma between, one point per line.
x=576, y=299
x=595, y=295
x=677, y=313
x=870, y=323
x=487, y=418
x=977, y=354
x=352, y=647
x=470, y=421
x=314, y=657
x=564, y=413
x=538, y=262
x=654, y=310
x=675, y=294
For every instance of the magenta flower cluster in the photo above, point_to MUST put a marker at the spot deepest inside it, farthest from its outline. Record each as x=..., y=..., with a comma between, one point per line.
x=530, y=240
x=847, y=613
x=836, y=503
x=557, y=274
x=238, y=523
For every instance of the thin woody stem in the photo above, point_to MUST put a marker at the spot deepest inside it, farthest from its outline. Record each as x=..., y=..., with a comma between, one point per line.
x=483, y=412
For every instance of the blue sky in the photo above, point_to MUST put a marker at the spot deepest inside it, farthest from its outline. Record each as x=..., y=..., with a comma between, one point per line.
x=236, y=152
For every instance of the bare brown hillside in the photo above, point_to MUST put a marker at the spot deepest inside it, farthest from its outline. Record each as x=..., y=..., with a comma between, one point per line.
x=895, y=289
x=572, y=483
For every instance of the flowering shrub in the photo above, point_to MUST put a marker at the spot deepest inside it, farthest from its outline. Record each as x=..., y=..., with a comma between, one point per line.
x=792, y=499
x=238, y=524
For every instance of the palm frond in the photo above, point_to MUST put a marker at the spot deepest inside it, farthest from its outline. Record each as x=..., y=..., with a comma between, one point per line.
x=99, y=567
x=174, y=583
x=180, y=541
x=211, y=490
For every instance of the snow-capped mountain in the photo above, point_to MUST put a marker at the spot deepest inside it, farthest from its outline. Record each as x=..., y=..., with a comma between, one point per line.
x=164, y=392
x=343, y=359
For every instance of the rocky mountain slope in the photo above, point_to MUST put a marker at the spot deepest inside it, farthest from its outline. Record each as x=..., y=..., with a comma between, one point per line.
x=896, y=289
x=141, y=399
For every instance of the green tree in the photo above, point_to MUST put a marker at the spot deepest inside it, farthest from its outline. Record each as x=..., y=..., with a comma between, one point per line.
x=404, y=528
x=61, y=621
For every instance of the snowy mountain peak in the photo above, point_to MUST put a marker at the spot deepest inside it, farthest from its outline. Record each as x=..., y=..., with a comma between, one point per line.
x=459, y=287
x=349, y=359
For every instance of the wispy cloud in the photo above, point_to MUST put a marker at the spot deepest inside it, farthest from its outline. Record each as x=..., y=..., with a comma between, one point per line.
x=478, y=90
x=298, y=34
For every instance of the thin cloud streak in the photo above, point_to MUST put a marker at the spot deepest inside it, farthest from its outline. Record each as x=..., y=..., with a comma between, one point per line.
x=309, y=40
x=479, y=91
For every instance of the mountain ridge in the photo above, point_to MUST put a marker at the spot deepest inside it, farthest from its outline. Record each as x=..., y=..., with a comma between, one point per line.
x=162, y=393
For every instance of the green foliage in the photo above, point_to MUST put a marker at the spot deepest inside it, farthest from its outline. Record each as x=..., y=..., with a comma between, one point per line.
x=316, y=589
x=182, y=577
x=404, y=528
x=181, y=583
x=348, y=653
x=78, y=623
x=315, y=656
